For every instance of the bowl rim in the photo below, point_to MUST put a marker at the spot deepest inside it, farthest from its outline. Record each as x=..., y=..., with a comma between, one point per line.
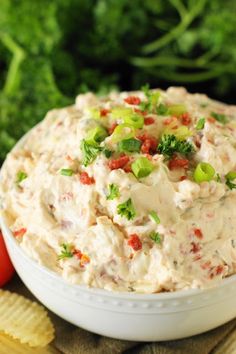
x=178, y=294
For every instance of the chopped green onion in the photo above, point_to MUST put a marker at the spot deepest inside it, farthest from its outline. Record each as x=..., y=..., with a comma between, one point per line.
x=153, y=215
x=107, y=153
x=218, y=179
x=121, y=112
x=94, y=113
x=181, y=133
x=203, y=172
x=156, y=237
x=231, y=176
x=130, y=145
x=66, y=172
x=96, y=135
x=126, y=209
x=177, y=110
x=66, y=251
x=152, y=99
x=142, y=167
x=122, y=131
x=89, y=151
x=200, y=124
x=21, y=175
x=135, y=120
x=113, y=192
x=162, y=110
x=220, y=117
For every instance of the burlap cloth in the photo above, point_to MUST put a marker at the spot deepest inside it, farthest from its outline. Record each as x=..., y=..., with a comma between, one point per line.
x=73, y=340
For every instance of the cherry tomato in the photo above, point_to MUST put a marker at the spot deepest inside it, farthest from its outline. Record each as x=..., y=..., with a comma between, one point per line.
x=6, y=267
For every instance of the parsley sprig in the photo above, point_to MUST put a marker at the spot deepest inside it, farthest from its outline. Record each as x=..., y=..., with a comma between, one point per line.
x=156, y=237
x=126, y=209
x=113, y=192
x=89, y=151
x=169, y=145
x=66, y=251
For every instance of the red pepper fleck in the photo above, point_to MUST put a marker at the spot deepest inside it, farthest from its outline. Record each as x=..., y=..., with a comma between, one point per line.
x=182, y=178
x=78, y=254
x=112, y=128
x=134, y=242
x=143, y=113
x=185, y=118
x=206, y=265
x=195, y=247
x=178, y=163
x=118, y=163
x=219, y=269
x=104, y=112
x=149, y=144
x=20, y=232
x=149, y=120
x=211, y=120
x=134, y=100
x=198, y=233
x=85, y=179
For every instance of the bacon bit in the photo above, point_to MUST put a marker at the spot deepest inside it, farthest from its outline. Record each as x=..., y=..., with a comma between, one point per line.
x=131, y=256
x=20, y=232
x=136, y=110
x=134, y=242
x=211, y=120
x=206, y=265
x=149, y=144
x=185, y=118
x=178, y=163
x=118, y=163
x=149, y=157
x=104, y=112
x=195, y=247
x=167, y=121
x=149, y=121
x=219, y=269
x=78, y=254
x=134, y=100
x=182, y=178
x=112, y=128
x=85, y=179
x=198, y=233
x=84, y=260
x=127, y=168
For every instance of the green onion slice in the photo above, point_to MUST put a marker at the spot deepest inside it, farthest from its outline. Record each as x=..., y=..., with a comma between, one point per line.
x=177, y=110
x=96, y=135
x=122, y=131
x=129, y=145
x=154, y=217
x=142, y=167
x=66, y=172
x=204, y=172
x=21, y=175
x=200, y=124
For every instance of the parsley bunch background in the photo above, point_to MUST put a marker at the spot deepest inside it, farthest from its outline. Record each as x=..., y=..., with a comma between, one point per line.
x=52, y=50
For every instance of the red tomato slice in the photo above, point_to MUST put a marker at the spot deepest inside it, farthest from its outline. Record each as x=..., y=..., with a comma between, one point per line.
x=6, y=267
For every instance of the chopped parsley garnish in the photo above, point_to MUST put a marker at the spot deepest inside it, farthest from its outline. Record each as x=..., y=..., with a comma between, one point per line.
x=21, y=175
x=113, y=192
x=169, y=145
x=231, y=176
x=107, y=153
x=66, y=251
x=129, y=145
x=162, y=109
x=66, y=172
x=156, y=237
x=126, y=209
x=200, y=124
x=153, y=215
x=220, y=117
x=90, y=152
x=152, y=99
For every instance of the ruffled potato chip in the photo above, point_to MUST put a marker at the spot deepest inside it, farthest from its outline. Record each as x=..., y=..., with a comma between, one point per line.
x=24, y=320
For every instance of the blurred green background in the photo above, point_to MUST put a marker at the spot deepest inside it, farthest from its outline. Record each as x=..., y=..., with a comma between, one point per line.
x=51, y=50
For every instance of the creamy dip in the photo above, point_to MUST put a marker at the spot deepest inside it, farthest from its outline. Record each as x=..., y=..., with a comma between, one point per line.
x=130, y=192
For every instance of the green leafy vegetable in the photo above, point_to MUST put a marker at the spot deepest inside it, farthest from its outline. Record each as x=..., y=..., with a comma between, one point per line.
x=231, y=176
x=113, y=192
x=156, y=237
x=220, y=117
x=21, y=175
x=200, y=124
x=129, y=145
x=126, y=209
x=169, y=144
x=66, y=172
x=89, y=151
x=66, y=251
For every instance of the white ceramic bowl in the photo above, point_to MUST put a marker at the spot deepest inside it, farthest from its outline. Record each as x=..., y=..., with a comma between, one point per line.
x=128, y=316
